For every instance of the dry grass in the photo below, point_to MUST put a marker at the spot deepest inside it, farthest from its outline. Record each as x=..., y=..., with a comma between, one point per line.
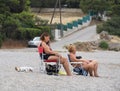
x=66, y=17
x=115, y=39
x=11, y=44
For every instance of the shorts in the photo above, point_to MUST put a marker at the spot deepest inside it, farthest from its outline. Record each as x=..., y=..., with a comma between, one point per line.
x=46, y=56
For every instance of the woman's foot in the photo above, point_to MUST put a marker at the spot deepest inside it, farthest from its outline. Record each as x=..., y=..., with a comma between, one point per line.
x=96, y=75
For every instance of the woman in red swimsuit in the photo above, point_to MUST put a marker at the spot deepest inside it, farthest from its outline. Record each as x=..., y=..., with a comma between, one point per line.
x=52, y=55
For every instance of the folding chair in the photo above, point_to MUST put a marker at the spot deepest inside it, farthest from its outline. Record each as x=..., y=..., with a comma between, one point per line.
x=43, y=62
x=78, y=70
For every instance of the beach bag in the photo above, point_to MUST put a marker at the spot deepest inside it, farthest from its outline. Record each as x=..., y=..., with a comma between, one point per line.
x=52, y=69
x=80, y=71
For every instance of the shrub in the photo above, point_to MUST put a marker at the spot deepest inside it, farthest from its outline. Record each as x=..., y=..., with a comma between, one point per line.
x=25, y=19
x=111, y=26
x=29, y=33
x=10, y=25
x=104, y=45
x=0, y=40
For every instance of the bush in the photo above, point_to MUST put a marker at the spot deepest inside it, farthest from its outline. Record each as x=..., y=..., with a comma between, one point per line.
x=111, y=26
x=10, y=25
x=22, y=26
x=25, y=19
x=0, y=40
x=29, y=33
x=104, y=45
x=116, y=9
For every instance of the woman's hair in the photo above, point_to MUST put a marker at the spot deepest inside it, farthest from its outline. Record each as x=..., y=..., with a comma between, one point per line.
x=42, y=37
x=71, y=48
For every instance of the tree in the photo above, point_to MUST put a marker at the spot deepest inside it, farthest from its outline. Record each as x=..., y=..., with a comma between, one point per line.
x=51, y=3
x=112, y=26
x=14, y=6
x=17, y=6
x=16, y=21
x=97, y=6
x=73, y=3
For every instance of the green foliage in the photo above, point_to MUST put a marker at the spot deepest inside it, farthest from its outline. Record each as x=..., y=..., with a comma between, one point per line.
x=109, y=13
x=36, y=3
x=14, y=6
x=29, y=33
x=17, y=6
x=112, y=26
x=73, y=3
x=116, y=10
x=0, y=42
x=10, y=25
x=2, y=17
x=40, y=21
x=97, y=6
x=16, y=22
x=3, y=6
x=104, y=45
x=25, y=18
x=1, y=39
x=51, y=3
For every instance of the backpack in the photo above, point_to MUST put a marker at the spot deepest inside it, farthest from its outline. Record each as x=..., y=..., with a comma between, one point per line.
x=52, y=69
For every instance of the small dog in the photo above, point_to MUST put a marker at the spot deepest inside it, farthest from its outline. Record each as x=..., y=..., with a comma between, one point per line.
x=24, y=69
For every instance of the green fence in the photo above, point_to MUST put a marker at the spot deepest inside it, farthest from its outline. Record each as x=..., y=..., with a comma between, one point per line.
x=75, y=23
x=65, y=27
x=69, y=25
x=80, y=21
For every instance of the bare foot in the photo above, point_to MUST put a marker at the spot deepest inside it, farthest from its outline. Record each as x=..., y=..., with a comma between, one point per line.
x=96, y=75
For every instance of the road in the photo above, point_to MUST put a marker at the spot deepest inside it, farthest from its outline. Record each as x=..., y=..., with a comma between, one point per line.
x=86, y=34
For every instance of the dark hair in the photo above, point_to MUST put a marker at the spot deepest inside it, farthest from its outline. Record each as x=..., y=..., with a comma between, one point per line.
x=42, y=37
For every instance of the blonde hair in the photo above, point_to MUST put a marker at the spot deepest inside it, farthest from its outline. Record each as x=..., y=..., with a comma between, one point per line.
x=71, y=48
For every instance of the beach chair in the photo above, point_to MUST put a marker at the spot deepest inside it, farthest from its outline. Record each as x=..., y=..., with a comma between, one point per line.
x=78, y=70
x=46, y=64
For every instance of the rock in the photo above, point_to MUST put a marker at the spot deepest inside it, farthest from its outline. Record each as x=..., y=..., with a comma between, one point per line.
x=86, y=46
x=114, y=46
x=105, y=36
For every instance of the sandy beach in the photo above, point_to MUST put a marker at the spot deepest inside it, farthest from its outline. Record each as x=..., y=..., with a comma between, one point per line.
x=11, y=80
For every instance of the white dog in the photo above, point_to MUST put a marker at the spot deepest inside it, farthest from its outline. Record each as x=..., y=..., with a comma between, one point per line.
x=24, y=69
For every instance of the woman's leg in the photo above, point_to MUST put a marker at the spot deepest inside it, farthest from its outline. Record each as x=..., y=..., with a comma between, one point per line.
x=89, y=68
x=95, y=65
x=64, y=62
x=95, y=69
x=66, y=65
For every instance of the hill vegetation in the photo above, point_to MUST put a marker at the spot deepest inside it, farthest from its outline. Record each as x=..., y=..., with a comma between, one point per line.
x=18, y=23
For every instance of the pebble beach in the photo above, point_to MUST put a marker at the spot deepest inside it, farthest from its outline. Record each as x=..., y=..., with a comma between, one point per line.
x=11, y=80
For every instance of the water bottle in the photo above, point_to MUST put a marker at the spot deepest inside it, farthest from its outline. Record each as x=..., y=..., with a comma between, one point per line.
x=42, y=67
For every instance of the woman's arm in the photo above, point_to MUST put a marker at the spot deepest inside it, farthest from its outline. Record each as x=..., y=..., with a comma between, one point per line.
x=74, y=59
x=47, y=49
